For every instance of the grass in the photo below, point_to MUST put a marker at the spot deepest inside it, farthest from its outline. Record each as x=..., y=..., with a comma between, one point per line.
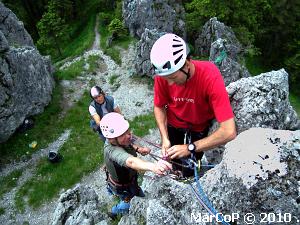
x=46, y=129
x=114, y=50
x=92, y=61
x=140, y=125
x=81, y=155
x=2, y=211
x=9, y=182
x=295, y=102
x=71, y=72
x=112, y=79
x=80, y=43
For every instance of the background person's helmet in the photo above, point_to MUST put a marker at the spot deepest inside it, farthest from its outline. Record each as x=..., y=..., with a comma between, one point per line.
x=95, y=91
x=168, y=54
x=113, y=125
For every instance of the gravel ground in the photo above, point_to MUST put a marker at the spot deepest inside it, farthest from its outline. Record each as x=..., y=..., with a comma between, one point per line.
x=133, y=97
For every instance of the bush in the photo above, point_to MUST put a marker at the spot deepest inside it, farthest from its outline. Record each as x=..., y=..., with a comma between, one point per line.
x=116, y=28
x=105, y=18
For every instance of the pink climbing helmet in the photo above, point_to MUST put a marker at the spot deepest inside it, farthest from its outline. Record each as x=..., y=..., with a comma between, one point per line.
x=113, y=125
x=168, y=54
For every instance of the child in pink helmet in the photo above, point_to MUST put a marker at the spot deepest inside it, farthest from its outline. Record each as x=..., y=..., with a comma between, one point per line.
x=122, y=163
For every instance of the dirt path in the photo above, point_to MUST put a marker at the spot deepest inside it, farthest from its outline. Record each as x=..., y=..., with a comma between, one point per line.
x=139, y=102
x=96, y=45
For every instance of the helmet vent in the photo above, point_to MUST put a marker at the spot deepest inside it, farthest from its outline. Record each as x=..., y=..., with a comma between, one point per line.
x=167, y=65
x=176, y=40
x=174, y=46
x=175, y=53
x=178, y=59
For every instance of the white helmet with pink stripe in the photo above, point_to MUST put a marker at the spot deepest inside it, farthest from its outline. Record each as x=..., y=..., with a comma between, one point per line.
x=113, y=125
x=168, y=54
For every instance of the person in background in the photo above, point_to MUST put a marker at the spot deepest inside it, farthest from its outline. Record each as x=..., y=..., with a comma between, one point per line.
x=100, y=105
x=188, y=95
x=122, y=163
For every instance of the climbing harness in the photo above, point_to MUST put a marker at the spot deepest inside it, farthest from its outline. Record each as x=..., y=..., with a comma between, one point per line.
x=191, y=163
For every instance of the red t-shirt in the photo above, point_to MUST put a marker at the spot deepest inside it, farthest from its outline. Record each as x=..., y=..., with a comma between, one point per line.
x=195, y=104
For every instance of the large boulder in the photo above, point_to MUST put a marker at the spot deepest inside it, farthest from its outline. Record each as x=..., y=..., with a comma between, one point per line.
x=165, y=16
x=79, y=205
x=13, y=29
x=219, y=42
x=26, y=82
x=227, y=61
x=263, y=101
x=258, y=174
x=260, y=101
x=143, y=47
x=212, y=31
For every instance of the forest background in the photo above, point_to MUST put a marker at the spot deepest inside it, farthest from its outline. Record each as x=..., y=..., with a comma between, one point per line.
x=268, y=29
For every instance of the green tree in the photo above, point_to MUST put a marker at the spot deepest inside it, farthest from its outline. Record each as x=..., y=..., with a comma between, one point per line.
x=52, y=29
x=269, y=27
x=116, y=28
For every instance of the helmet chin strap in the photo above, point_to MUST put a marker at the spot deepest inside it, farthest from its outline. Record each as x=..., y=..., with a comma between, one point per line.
x=188, y=75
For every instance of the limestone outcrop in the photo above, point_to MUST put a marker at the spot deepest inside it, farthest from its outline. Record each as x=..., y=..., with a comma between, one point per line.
x=26, y=81
x=165, y=16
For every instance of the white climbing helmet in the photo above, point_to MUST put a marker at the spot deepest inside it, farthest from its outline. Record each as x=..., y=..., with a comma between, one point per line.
x=95, y=91
x=168, y=54
x=113, y=125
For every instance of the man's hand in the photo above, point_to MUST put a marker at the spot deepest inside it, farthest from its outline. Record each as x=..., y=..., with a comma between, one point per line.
x=178, y=151
x=161, y=167
x=166, y=144
x=144, y=150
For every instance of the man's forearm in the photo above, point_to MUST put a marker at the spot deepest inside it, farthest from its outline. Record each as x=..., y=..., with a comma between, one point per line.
x=221, y=136
x=161, y=120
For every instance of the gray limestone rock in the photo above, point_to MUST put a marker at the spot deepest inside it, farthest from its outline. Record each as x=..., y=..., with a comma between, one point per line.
x=258, y=174
x=260, y=101
x=212, y=31
x=13, y=29
x=225, y=58
x=3, y=43
x=142, y=59
x=165, y=16
x=79, y=205
x=221, y=45
x=26, y=82
x=263, y=101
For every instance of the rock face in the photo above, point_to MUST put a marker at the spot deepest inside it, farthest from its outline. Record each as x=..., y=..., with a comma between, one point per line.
x=212, y=31
x=259, y=174
x=25, y=76
x=221, y=45
x=260, y=101
x=165, y=16
x=148, y=20
x=142, y=59
x=227, y=61
x=13, y=29
x=76, y=206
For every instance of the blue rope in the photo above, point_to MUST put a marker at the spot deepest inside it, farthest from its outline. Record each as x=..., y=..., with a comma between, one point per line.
x=203, y=196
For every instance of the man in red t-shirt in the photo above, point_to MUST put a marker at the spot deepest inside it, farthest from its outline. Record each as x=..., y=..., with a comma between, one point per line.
x=188, y=95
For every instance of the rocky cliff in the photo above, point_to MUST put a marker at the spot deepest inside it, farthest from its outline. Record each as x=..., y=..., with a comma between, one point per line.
x=26, y=82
